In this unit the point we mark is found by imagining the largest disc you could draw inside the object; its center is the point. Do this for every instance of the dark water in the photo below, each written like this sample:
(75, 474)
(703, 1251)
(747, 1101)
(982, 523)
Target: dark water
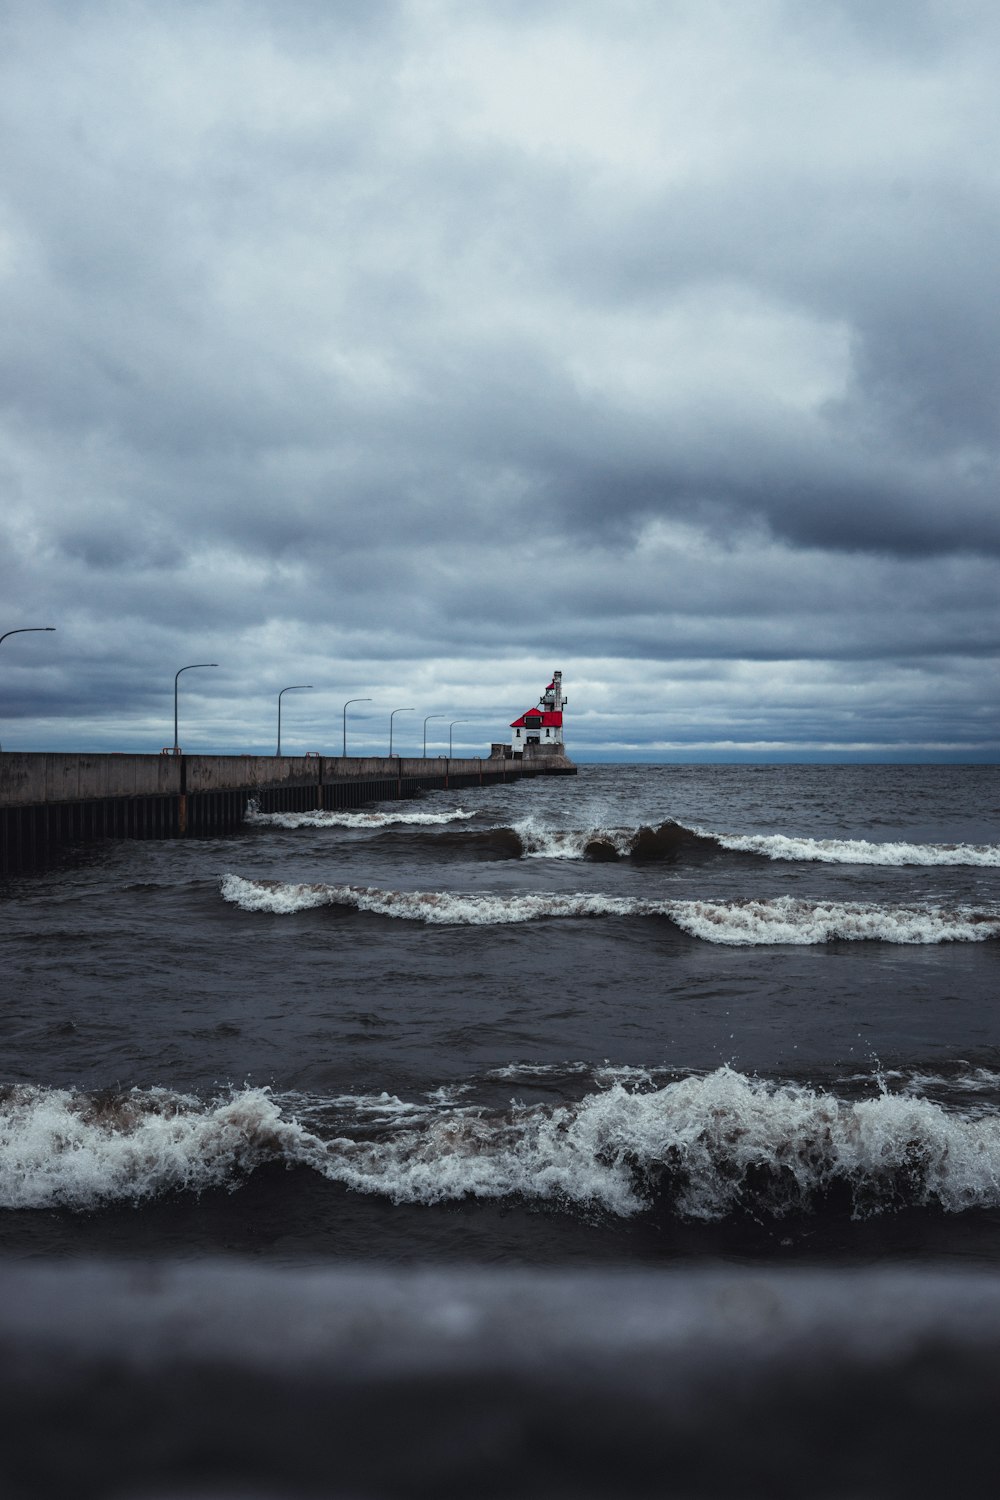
(636, 1134)
(647, 1014)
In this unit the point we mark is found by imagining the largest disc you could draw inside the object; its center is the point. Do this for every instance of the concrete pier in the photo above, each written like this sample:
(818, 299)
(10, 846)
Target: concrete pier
(49, 799)
(226, 1379)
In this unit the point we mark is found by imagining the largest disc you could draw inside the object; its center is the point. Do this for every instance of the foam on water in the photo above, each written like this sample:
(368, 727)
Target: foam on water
(602, 1074)
(455, 908)
(60, 1148)
(363, 821)
(974, 1081)
(702, 1147)
(671, 841)
(534, 838)
(779, 920)
(857, 851)
(540, 840)
(708, 1146)
(788, 919)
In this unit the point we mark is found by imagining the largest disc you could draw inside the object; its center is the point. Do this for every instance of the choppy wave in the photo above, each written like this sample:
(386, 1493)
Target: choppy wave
(671, 842)
(667, 842)
(782, 919)
(365, 821)
(60, 1148)
(858, 851)
(702, 1148)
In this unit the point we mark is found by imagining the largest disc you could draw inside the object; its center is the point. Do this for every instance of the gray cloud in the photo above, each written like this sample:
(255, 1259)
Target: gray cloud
(416, 346)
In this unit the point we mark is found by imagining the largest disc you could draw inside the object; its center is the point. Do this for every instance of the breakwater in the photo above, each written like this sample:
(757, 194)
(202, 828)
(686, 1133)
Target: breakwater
(51, 799)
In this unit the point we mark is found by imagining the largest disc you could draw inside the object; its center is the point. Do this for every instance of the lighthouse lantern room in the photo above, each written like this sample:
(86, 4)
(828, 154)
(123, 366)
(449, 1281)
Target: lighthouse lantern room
(541, 728)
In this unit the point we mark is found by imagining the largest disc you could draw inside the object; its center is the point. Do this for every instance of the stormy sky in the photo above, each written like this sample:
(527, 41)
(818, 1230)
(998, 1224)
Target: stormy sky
(415, 348)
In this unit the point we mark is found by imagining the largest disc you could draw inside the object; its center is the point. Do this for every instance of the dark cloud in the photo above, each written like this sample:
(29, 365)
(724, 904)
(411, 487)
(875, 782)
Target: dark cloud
(412, 347)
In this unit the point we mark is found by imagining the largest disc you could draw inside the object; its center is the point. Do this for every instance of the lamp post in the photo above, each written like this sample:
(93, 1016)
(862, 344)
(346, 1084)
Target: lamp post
(450, 728)
(351, 700)
(429, 716)
(25, 630)
(392, 716)
(191, 668)
(296, 687)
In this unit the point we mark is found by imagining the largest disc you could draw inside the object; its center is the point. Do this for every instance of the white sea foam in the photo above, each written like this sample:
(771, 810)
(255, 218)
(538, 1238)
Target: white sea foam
(454, 908)
(602, 1074)
(789, 919)
(275, 896)
(528, 1072)
(710, 1145)
(541, 841)
(363, 821)
(779, 920)
(448, 1094)
(59, 1148)
(382, 1106)
(975, 1081)
(703, 1147)
(855, 851)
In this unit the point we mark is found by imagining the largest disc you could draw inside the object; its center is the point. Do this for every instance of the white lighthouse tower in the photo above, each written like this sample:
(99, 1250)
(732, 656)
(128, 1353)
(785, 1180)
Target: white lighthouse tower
(540, 729)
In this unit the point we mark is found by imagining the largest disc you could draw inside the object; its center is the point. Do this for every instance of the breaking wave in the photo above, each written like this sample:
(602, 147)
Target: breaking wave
(62, 1149)
(782, 919)
(860, 851)
(669, 842)
(672, 842)
(702, 1148)
(365, 821)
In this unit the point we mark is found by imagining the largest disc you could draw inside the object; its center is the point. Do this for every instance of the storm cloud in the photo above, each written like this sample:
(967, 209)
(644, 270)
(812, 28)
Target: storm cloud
(416, 349)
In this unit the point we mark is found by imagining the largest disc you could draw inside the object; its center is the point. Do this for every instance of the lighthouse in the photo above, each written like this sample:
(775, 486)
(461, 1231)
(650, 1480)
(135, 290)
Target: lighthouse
(541, 728)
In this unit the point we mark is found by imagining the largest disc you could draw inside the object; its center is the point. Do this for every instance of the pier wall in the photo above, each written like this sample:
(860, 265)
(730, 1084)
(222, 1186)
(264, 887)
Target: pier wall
(48, 799)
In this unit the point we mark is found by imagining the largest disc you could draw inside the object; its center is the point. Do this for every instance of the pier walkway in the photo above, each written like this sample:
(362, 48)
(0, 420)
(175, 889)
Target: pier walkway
(49, 799)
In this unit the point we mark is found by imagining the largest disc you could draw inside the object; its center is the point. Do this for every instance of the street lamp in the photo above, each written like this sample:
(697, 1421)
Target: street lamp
(351, 700)
(25, 630)
(450, 728)
(392, 716)
(296, 687)
(429, 716)
(194, 664)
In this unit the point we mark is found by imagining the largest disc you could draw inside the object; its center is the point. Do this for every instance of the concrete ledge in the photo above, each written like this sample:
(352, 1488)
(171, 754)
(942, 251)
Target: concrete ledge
(34, 779)
(29, 778)
(225, 1380)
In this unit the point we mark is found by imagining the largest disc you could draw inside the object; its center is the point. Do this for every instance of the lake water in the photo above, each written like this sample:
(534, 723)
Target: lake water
(641, 1012)
(652, 1018)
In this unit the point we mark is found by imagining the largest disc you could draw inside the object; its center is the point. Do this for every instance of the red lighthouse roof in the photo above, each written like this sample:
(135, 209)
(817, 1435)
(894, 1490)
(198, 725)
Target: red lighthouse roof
(546, 719)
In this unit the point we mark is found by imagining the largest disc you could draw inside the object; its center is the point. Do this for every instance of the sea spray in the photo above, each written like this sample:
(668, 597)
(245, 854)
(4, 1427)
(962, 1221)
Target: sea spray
(703, 1147)
(61, 1148)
